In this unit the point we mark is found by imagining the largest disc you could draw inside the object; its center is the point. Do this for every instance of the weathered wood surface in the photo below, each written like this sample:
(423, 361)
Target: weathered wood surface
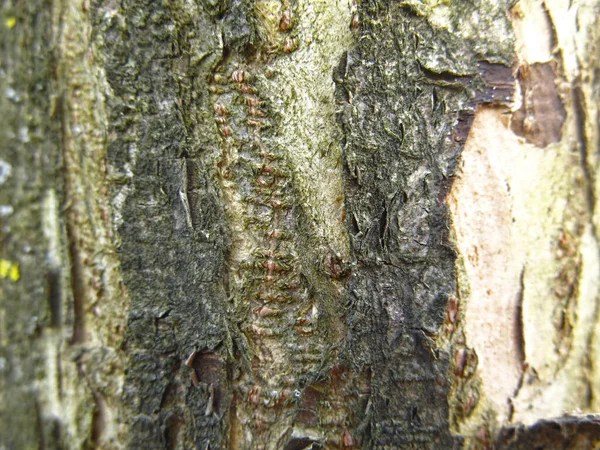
(231, 226)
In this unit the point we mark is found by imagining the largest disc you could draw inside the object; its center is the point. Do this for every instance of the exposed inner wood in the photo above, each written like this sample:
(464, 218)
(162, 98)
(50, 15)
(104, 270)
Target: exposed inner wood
(523, 222)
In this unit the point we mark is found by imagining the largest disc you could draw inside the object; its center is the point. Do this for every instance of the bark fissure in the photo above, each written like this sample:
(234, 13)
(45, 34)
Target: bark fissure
(582, 122)
(581, 119)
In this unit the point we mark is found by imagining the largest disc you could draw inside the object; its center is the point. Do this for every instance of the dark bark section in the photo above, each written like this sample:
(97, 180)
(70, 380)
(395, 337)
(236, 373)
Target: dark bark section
(494, 86)
(399, 116)
(564, 433)
(157, 57)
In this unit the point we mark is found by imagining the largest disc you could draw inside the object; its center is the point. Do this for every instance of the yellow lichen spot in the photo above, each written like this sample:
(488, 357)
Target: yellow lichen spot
(14, 274)
(10, 22)
(9, 270)
(4, 268)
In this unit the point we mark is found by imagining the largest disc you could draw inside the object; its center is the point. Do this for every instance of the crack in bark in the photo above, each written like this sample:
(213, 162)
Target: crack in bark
(579, 111)
(582, 138)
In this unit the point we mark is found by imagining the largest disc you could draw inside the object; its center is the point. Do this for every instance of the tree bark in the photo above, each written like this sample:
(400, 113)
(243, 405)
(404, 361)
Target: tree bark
(294, 224)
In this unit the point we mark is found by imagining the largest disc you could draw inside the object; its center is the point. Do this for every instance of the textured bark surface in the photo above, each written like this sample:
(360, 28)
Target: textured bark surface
(284, 224)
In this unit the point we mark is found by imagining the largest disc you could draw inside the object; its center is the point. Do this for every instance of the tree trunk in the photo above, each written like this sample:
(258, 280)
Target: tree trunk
(299, 224)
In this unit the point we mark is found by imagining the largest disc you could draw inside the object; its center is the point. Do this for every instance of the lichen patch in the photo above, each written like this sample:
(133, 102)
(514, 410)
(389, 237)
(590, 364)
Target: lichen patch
(303, 94)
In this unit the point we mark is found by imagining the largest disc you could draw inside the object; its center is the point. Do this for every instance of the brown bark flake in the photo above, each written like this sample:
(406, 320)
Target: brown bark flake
(542, 114)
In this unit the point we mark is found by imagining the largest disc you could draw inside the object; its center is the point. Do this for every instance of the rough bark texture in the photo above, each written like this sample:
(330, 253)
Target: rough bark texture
(290, 224)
